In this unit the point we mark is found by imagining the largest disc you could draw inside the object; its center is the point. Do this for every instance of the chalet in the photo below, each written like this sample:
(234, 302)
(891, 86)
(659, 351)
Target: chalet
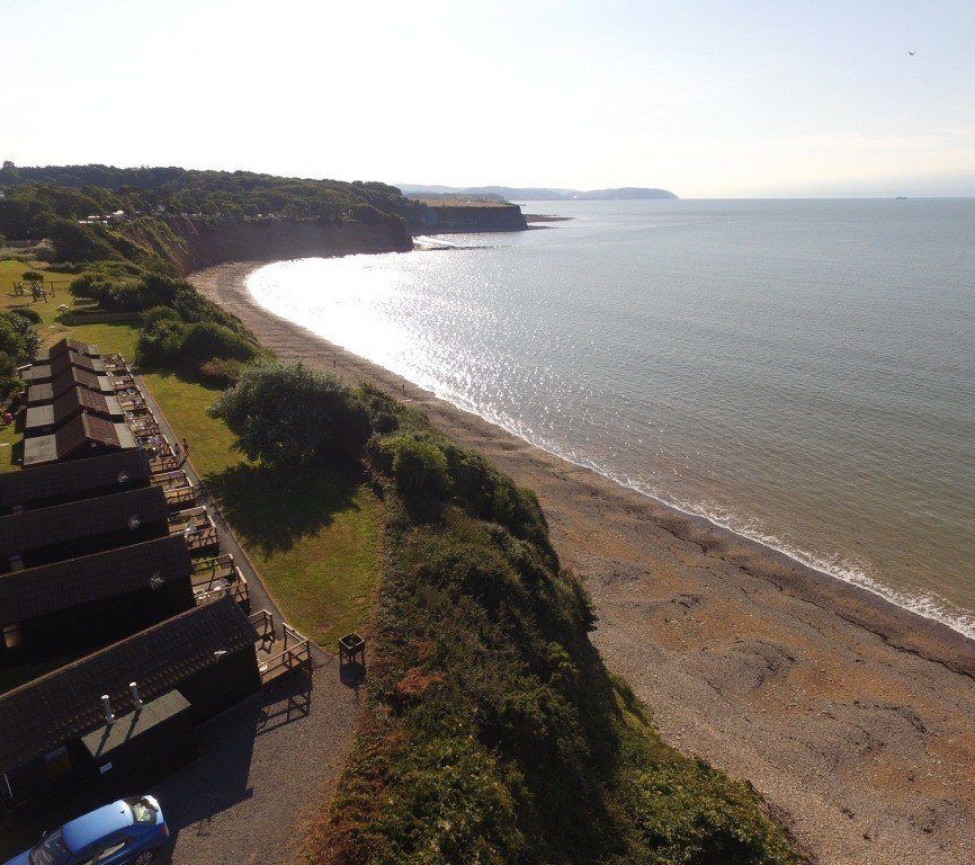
(44, 373)
(65, 345)
(57, 734)
(39, 537)
(42, 394)
(45, 419)
(84, 436)
(48, 611)
(59, 483)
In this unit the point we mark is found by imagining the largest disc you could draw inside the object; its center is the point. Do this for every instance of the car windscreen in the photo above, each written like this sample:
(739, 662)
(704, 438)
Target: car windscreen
(51, 851)
(142, 811)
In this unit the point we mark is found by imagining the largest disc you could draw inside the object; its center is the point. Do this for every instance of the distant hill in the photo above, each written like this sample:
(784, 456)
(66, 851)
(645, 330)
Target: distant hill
(528, 193)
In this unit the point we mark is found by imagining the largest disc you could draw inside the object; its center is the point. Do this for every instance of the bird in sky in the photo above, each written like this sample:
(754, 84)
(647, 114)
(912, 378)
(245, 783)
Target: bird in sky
(912, 53)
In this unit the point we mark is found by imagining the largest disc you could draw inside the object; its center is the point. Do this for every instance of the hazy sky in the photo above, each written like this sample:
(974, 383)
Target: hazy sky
(708, 99)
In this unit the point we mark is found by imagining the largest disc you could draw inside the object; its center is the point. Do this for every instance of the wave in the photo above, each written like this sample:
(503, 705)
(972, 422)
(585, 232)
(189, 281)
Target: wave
(928, 606)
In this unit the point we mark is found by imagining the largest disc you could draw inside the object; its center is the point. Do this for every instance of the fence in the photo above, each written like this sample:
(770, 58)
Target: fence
(279, 656)
(73, 318)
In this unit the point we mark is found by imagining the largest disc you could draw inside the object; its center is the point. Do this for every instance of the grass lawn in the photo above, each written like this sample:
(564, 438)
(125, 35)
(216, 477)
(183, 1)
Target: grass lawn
(315, 537)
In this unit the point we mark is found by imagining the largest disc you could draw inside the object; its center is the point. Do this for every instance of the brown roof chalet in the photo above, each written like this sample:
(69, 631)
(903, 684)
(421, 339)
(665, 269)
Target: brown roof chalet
(78, 437)
(41, 394)
(64, 345)
(46, 527)
(40, 716)
(75, 479)
(44, 418)
(63, 585)
(42, 373)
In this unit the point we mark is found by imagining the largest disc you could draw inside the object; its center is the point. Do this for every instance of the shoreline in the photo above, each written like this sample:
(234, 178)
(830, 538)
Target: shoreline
(736, 646)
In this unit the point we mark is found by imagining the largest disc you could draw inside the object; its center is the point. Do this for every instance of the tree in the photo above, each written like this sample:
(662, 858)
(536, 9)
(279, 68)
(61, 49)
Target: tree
(289, 413)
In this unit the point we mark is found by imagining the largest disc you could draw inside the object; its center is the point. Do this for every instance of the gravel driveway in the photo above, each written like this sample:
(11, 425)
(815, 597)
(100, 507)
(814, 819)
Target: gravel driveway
(264, 770)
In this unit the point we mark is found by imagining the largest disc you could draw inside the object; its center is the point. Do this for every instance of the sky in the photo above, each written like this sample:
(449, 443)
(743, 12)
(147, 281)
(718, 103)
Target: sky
(707, 99)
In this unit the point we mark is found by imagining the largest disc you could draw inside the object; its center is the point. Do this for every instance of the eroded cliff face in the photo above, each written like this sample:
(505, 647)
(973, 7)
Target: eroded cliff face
(195, 244)
(452, 218)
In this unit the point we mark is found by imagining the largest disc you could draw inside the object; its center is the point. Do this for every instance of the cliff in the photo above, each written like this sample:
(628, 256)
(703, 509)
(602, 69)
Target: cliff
(453, 218)
(192, 244)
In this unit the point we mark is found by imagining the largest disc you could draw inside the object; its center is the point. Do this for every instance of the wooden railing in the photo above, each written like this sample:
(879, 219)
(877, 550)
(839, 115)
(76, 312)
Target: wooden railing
(295, 654)
(218, 576)
(291, 652)
(196, 527)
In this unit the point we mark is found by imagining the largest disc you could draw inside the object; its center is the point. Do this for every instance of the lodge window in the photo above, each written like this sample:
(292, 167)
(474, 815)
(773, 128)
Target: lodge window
(12, 637)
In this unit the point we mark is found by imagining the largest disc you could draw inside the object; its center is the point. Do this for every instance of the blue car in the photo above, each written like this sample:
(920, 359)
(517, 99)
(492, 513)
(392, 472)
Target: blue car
(127, 831)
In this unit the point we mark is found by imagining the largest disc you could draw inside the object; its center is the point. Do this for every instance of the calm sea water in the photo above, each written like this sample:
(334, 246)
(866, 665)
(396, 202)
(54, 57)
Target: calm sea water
(802, 372)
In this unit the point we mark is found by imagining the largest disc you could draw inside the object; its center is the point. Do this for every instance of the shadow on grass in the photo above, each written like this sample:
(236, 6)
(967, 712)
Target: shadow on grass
(272, 508)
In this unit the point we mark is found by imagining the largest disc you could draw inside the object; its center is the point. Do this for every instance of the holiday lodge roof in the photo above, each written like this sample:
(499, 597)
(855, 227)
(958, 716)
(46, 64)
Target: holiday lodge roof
(84, 433)
(73, 402)
(40, 716)
(74, 479)
(46, 527)
(38, 591)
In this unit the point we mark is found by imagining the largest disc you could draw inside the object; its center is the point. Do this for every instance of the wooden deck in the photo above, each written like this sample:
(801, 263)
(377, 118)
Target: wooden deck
(197, 528)
(177, 486)
(214, 577)
(278, 654)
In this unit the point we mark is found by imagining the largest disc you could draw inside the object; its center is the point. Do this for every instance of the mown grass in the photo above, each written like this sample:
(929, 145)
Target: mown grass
(315, 539)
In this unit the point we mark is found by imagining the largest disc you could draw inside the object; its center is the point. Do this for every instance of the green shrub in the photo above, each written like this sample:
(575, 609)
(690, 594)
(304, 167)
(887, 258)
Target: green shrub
(32, 315)
(32, 276)
(161, 343)
(419, 466)
(222, 373)
(18, 337)
(157, 314)
(283, 413)
(206, 339)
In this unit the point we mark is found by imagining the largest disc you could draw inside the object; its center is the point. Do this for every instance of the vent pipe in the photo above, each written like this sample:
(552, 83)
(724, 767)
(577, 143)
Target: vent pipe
(136, 699)
(107, 706)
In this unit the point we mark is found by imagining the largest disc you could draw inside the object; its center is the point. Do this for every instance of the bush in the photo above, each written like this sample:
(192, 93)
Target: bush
(18, 338)
(419, 466)
(10, 381)
(222, 373)
(31, 315)
(157, 314)
(206, 339)
(293, 414)
(162, 343)
(32, 276)
(75, 242)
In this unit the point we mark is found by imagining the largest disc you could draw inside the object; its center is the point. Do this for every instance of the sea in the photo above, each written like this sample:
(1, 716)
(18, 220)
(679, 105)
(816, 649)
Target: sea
(801, 372)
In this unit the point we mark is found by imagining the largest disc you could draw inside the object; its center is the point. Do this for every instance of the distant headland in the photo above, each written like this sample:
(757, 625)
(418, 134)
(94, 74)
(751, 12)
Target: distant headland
(529, 193)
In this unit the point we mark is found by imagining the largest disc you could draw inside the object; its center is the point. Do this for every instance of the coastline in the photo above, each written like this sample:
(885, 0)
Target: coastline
(853, 716)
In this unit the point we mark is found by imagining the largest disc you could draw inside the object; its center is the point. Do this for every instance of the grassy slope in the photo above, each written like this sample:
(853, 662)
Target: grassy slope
(317, 546)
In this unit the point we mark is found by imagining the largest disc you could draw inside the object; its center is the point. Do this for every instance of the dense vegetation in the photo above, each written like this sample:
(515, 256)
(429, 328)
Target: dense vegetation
(19, 343)
(180, 328)
(493, 733)
(39, 200)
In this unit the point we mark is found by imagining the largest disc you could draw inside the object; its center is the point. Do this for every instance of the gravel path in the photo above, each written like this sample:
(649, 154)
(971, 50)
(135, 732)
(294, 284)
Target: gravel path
(264, 770)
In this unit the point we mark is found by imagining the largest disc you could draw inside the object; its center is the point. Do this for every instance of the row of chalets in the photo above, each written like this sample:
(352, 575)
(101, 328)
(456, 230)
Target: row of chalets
(110, 565)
